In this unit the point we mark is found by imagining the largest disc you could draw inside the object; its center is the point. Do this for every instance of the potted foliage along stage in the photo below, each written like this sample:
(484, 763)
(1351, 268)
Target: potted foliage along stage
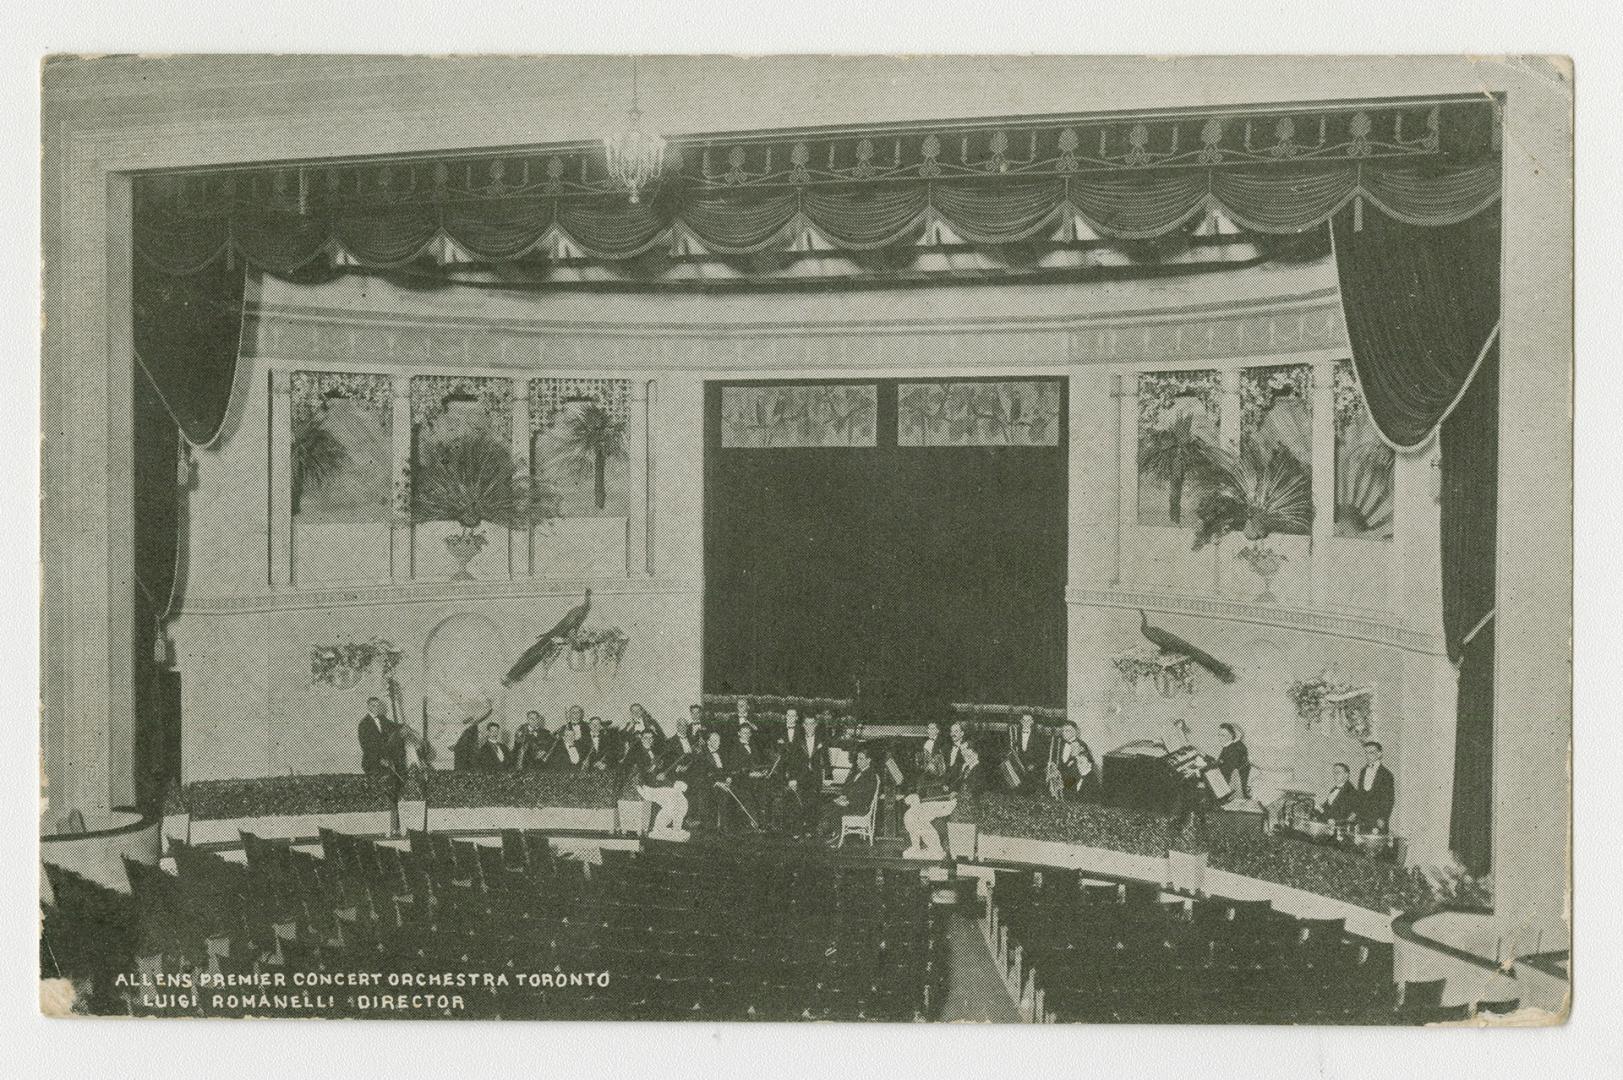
(1257, 492)
(471, 480)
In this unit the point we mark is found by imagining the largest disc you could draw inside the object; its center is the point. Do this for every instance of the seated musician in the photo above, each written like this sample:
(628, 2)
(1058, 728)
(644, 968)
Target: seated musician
(932, 743)
(531, 742)
(637, 719)
(1340, 803)
(1079, 774)
(567, 755)
(650, 775)
(1234, 760)
(855, 796)
(927, 801)
(971, 780)
(492, 755)
(1026, 763)
(641, 757)
(805, 766)
(752, 760)
(599, 745)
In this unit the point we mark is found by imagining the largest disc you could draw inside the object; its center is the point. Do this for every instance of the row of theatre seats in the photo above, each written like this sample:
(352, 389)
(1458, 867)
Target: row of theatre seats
(1101, 952)
(681, 933)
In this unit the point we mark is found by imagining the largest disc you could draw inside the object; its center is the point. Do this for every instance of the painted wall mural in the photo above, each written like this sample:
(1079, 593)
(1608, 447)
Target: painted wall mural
(1023, 413)
(805, 415)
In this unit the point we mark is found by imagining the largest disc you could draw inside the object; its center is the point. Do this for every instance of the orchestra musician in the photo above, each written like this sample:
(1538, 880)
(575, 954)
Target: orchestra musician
(1376, 791)
(958, 742)
(382, 750)
(566, 754)
(531, 742)
(1234, 760)
(708, 787)
(1340, 803)
(1079, 773)
(492, 755)
(641, 759)
(805, 766)
(637, 721)
(1027, 760)
(656, 784)
(933, 800)
(599, 745)
(855, 796)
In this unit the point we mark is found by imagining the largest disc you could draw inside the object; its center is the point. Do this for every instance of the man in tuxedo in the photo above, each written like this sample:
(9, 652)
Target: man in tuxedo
(1028, 756)
(599, 746)
(383, 752)
(1234, 760)
(855, 796)
(805, 764)
(1077, 770)
(1377, 791)
(1340, 803)
(711, 772)
(958, 742)
(971, 780)
(492, 755)
(531, 742)
(641, 758)
(568, 756)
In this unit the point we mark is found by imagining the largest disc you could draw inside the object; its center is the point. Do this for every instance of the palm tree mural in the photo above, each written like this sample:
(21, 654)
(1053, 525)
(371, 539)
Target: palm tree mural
(1176, 455)
(318, 455)
(588, 439)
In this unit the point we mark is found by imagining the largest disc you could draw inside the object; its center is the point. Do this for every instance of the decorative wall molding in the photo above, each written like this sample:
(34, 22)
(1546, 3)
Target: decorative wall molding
(1360, 627)
(1282, 327)
(426, 592)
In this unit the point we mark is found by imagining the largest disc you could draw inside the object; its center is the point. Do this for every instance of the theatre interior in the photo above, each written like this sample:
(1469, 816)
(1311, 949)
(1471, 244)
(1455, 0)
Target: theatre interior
(1011, 562)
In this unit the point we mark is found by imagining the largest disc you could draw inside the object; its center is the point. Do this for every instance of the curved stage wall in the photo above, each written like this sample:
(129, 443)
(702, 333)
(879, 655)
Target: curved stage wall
(1360, 612)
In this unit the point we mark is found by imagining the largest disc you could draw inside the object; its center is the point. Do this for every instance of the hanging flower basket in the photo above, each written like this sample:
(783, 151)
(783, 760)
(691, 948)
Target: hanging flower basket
(1350, 706)
(342, 665)
(597, 649)
(1145, 667)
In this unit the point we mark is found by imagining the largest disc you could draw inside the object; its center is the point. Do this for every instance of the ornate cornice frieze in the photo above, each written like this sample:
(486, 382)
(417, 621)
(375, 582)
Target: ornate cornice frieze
(427, 592)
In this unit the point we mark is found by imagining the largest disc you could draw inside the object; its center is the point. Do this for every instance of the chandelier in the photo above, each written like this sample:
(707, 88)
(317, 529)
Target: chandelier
(634, 156)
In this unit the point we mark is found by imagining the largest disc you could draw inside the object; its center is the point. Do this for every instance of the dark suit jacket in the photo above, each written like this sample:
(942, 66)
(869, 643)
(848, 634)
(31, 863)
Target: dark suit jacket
(1234, 758)
(955, 768)
(859, 789)
(487, 760)
(1375, 805)
(806, 768)
(1032, 759)
(1342, 804)
(971, 782)
(559, 761)
(605, 750)
(379, 747)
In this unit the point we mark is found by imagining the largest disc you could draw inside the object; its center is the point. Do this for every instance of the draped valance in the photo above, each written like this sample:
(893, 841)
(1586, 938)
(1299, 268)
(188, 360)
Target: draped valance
(1279, 171)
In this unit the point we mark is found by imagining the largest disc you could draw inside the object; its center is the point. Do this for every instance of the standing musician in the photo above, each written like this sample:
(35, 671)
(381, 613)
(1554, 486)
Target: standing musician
(708, 789)
(531, 742)
(1079, 773)
(1026, 762)
(805, 766)
(599, 745)
(566, 754)
(957, 744)
(492, 755)
(381, 751)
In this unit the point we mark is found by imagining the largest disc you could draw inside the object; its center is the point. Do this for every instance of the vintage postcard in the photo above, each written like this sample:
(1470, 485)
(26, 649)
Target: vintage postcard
(999, 539)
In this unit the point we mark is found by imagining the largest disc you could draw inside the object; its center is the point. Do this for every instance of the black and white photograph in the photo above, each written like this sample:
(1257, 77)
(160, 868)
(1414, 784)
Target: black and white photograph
(1019, 540)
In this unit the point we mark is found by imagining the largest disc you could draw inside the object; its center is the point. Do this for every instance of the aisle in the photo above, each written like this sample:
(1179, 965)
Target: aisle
(975, 992)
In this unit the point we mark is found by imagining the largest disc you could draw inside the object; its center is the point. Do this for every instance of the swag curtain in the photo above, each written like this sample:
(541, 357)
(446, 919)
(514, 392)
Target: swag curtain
(383, 233)
(1422, 307)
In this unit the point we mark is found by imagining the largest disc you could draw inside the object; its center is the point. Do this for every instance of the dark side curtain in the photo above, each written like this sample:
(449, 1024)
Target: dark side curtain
(1470, 463)
(1422, 308)
(187, 332)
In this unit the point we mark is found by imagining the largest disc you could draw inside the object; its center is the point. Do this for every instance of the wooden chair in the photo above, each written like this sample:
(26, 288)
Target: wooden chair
(860, 824)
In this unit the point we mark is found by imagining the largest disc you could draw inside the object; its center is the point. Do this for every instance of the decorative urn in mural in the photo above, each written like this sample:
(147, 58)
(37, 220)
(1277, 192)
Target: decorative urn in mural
(464, 547)
(1265, 563)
